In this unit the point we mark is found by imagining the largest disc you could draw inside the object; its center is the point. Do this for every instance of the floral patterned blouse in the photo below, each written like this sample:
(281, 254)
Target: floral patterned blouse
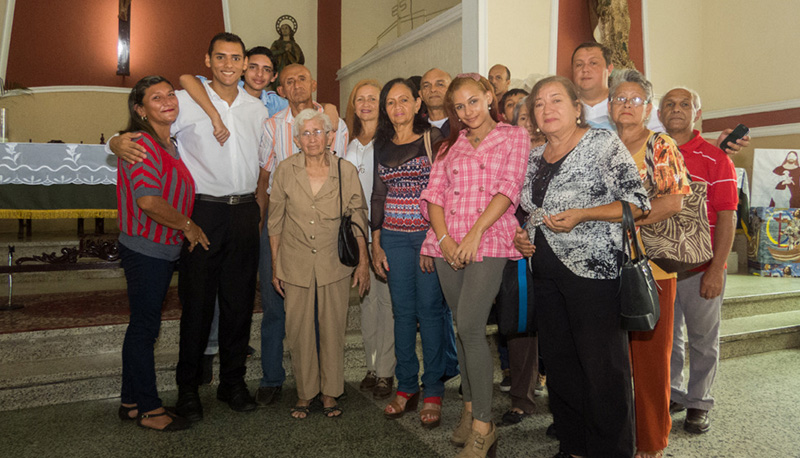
(598, 171)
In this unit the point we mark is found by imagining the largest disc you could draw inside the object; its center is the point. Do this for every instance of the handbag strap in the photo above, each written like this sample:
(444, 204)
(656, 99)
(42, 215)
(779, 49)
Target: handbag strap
(629, 237)
(426, 138)
(339, 167)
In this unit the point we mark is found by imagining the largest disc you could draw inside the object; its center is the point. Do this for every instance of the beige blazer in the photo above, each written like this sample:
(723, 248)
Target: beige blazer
(309, 224)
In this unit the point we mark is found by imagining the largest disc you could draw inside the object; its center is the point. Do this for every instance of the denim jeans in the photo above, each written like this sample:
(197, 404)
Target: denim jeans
(273, 320)
(148, 280)
(416, 299)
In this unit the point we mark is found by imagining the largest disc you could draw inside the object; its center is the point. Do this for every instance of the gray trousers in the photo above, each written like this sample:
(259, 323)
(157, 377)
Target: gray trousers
(470, 293)
(702, 319)
(377, 327)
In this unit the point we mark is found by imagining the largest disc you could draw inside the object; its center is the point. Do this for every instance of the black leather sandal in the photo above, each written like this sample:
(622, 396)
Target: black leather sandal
(178, 423)
(125, 413)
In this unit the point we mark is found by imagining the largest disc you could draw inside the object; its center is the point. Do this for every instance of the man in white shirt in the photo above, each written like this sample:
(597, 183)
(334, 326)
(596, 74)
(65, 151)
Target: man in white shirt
(226, 178)
(298, 87)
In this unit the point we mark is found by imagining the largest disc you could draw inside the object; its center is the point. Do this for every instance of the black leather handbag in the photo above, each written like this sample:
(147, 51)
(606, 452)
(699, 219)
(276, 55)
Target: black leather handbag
(348, 245)
(639, 308)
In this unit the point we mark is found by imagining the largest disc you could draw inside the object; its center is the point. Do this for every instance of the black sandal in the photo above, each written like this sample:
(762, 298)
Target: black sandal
(299, 409)
(512, 417)
(333, 411)
(178, 423)
(125, 413)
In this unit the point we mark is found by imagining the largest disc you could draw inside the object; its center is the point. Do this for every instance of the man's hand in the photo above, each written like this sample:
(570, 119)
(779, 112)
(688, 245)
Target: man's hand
(712, 282)
(733, 148)
(124, 147)
(332, 113)
(221, 132)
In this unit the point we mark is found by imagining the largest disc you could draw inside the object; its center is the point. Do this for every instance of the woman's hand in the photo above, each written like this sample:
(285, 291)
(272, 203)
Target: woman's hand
(564, 221)
(468, 248)
(522, 242)
(277, 283)
(379, 262)
(449, 247)
(194, 234)
(361, 278)
(426, 264)
(221, 133)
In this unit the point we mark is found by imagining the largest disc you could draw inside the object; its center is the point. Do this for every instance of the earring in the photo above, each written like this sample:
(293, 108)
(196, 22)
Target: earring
(538, 131)
(490, 108)
(578, 120)
(144, 118)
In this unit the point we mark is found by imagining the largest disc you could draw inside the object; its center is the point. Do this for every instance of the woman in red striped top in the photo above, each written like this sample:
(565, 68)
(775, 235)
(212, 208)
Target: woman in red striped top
(154, 201)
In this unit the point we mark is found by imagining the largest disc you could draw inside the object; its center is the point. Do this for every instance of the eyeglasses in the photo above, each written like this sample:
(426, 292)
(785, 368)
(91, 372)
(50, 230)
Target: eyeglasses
(634, 101)
(316, 133)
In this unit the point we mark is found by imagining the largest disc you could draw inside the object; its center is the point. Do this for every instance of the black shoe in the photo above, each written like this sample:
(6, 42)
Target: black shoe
(237, 397)
(178, 423)
(266, 395)
(697, 421)
(675, 407)
(188, 405)
(551, 431)
(512, 417)
(208, 369)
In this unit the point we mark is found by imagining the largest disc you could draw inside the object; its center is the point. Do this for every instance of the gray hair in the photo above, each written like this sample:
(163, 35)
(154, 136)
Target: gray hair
(629, 75)
(692, 92)
(307, 115)
(517, 109)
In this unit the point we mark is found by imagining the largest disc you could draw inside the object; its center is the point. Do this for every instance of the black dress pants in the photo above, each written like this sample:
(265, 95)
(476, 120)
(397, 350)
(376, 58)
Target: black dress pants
(228, 270)
(586, 354)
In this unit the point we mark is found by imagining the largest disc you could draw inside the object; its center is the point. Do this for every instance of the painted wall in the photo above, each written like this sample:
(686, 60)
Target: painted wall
(363, 21)
(676, 55)
(519, 36)
(75, 43)
(71, 117)
(750, 53)
(254, 21)
(442, 49)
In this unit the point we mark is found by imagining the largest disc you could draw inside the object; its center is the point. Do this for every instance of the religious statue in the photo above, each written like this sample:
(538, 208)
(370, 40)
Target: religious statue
(285, 50)
(611, 25)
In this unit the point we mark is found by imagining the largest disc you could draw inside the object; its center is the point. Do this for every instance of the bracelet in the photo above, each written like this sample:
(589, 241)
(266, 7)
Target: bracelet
(188, 223)
(440, 240)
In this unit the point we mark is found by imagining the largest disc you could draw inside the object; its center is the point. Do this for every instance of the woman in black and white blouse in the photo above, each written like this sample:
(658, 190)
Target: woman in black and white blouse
(573, 190)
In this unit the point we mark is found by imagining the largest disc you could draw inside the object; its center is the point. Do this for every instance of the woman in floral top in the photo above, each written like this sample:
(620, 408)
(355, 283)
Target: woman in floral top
(573, 189)
(666, 180)
(470, 201)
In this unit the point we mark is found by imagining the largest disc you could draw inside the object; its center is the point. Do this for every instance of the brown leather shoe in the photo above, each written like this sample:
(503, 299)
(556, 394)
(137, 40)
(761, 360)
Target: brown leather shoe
(369, 381)
(697, 421)
(383, 387)
(675, 407)
(463, 430)
(480, 446)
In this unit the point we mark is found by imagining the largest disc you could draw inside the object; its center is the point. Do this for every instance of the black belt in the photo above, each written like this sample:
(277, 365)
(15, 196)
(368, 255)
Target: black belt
(230, 200)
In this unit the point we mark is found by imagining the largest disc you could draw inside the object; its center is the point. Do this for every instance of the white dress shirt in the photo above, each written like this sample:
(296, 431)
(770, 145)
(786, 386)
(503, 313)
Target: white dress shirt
(221, 170)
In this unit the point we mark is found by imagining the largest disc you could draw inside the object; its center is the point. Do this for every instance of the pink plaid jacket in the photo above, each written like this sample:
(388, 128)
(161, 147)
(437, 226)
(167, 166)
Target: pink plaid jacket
(465, 181)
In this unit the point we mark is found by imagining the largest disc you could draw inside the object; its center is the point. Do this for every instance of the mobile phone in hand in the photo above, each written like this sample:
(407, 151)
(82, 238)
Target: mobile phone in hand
(739, 132)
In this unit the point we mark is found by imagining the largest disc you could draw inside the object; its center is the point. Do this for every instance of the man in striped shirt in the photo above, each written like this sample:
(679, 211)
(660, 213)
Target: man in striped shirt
(699, 295)
(298, 87)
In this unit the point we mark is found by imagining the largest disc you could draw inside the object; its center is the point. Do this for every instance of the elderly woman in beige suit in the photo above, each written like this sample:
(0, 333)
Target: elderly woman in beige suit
(303, 229)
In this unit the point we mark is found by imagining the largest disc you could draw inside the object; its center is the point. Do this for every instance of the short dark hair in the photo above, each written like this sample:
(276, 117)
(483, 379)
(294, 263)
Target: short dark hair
(262, 51)
(593, 44)
(227, 37)
(136, 97)
(510, 93)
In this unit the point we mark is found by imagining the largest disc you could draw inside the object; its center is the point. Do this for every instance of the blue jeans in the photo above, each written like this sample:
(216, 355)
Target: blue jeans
(450, 354)
(416, 299)
(273, 320)
(148, 280)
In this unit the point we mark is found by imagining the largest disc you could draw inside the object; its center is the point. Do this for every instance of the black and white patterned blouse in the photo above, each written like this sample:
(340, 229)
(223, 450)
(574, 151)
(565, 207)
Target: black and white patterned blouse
(600, 170)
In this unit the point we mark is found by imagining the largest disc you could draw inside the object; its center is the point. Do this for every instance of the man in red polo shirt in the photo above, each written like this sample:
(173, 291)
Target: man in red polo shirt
(699, 296)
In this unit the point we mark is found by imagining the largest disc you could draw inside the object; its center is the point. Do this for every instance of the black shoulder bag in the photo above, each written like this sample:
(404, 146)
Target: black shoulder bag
(348, 245)
(639, 309)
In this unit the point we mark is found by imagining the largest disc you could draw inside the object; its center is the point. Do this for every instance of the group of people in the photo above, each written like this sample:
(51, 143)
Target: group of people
(445, 181)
